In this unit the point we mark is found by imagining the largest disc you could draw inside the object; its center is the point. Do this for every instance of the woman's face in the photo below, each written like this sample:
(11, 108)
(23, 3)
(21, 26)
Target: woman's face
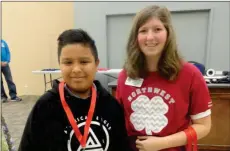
(152, 36)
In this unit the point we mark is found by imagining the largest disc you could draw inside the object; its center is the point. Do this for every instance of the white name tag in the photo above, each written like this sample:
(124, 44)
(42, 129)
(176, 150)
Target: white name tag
(3, 45)
(132, 82)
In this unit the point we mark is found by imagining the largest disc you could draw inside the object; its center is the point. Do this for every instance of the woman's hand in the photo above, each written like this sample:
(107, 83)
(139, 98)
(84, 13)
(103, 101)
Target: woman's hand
(149, 143)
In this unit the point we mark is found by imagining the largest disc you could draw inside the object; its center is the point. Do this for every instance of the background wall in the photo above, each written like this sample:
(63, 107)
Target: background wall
(202, 30)
(31, 30)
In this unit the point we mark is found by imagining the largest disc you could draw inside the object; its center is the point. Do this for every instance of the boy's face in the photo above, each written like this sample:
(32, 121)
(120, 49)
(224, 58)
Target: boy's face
(78, 67)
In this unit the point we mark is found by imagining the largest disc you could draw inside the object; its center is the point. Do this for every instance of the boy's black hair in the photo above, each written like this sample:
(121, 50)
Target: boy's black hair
(76, 36)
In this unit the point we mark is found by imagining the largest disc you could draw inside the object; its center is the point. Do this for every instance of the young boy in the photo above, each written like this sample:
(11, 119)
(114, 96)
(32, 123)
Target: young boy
(78, 113)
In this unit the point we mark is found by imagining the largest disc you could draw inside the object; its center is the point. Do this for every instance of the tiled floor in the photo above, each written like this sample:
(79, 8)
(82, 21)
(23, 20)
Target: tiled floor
(15, 114)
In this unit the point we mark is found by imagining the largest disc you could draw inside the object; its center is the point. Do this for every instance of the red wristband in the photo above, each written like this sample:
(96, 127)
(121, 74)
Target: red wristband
(189, 140)
(194, 138)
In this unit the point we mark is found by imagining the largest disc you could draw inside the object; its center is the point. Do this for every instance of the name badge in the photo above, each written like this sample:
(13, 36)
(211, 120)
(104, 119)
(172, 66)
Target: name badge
(132, 82)
(3, 45)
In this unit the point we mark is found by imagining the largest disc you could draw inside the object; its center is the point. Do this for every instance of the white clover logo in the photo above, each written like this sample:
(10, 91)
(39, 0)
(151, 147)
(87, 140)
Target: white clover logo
(149, 114)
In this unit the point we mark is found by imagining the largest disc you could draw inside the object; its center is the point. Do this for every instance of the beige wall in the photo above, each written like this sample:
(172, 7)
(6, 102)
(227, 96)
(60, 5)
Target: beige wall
(31, 30)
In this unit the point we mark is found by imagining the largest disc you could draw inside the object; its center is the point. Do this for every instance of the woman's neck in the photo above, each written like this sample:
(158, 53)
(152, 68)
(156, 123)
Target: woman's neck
(152, 63)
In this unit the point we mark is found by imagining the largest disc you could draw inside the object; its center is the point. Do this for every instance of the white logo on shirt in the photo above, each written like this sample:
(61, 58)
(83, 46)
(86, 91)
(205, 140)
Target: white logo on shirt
(149, 114)
(95, 142)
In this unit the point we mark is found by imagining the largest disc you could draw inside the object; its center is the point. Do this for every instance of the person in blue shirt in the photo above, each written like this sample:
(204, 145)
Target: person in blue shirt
(5, 69)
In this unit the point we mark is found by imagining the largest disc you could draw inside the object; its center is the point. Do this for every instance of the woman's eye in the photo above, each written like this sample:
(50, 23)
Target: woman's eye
(142, 31)
(158, 29)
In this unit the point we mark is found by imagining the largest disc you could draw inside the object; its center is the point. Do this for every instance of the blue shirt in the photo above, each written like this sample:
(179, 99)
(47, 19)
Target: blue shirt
(5, 52)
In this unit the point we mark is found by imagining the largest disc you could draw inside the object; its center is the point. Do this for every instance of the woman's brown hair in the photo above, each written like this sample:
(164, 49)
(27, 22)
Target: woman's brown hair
(170, 62)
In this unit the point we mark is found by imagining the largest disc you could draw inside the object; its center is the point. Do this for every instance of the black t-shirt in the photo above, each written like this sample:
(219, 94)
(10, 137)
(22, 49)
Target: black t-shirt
(48, 128)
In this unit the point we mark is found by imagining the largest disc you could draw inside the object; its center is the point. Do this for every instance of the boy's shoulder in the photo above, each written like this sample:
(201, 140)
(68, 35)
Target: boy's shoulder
(47, 102)
(106, 98)
(103, 93)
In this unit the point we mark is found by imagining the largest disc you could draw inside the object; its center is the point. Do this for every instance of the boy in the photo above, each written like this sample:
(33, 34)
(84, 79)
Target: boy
(78, 113)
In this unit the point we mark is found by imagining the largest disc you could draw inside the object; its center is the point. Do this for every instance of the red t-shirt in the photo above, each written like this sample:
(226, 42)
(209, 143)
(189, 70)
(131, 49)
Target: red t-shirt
(159, 107)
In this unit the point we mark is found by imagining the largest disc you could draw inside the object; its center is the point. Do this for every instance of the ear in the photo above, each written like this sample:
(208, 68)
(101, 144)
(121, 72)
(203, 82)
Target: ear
(97, 62)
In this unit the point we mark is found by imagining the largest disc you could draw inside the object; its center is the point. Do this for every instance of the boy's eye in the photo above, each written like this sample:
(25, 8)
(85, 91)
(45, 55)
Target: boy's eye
(84, 62)
(67, 62)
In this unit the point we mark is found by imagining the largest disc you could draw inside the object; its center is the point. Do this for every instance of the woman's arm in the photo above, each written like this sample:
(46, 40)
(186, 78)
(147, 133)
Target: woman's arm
(199, 111)
(151, 143)
(201, 126)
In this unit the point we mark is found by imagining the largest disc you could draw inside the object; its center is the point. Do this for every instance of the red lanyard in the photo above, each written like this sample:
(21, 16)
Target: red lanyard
(81, 139)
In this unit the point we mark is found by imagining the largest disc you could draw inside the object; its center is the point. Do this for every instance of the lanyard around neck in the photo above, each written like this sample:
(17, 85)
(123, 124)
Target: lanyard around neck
(81, 138)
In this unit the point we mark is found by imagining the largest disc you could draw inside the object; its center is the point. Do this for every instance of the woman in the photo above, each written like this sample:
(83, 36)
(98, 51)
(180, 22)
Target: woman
(165, 98)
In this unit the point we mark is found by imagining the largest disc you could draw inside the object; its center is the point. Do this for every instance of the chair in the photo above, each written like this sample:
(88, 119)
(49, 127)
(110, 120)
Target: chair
(200, 66)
